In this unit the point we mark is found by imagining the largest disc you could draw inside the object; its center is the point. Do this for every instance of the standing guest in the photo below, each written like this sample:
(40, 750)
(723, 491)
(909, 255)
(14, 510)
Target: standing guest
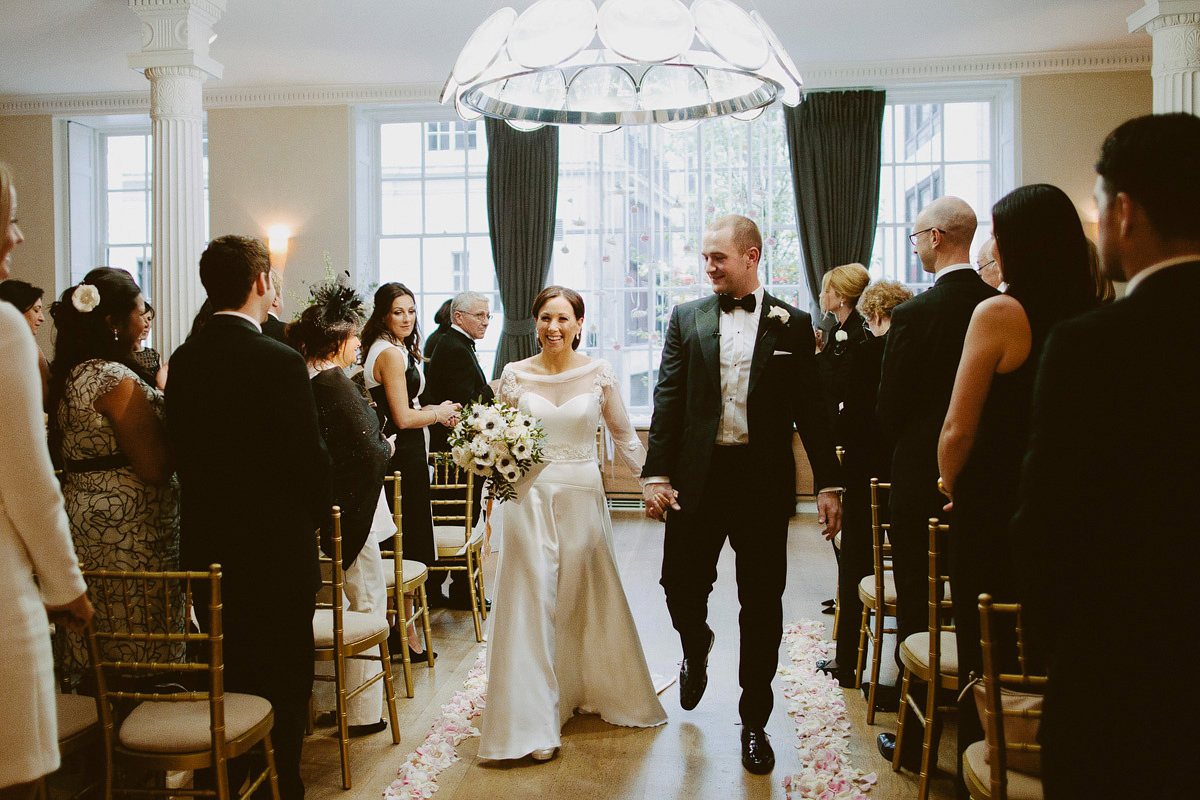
(1043, 253)
(38, 571)
(234, 396)
(840, 290)
(453, 374)
(149, 363)
(738, 376)
(392, 342)
(988, 266)
(441, 318)
(1105, 528)
(273, 326)
(326, 334)
(866, 457)
(563, 639)
(28, 300)
(107, 424)
(920, 360)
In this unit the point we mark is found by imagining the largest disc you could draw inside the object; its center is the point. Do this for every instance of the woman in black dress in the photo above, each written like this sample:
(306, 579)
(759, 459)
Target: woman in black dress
(326, 334)
(840, 289)
(391, 373)
(1043, 257)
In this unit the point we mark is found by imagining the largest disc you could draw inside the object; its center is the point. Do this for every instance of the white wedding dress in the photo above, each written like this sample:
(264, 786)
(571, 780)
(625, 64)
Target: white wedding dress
(562, 637)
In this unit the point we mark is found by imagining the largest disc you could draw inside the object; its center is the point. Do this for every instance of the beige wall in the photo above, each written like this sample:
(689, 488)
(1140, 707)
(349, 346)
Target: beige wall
(290, 166)
(1064, 119)
(27, 144)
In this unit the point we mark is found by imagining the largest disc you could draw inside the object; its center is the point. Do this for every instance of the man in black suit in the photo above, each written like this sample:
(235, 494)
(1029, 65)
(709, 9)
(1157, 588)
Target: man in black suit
(273, 326)
(453, 373)
(920, 361)
(738, 376)
(233, 396)
(1106, 527)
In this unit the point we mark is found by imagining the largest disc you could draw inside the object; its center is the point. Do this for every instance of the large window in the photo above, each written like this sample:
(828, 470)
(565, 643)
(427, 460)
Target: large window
(632, 207)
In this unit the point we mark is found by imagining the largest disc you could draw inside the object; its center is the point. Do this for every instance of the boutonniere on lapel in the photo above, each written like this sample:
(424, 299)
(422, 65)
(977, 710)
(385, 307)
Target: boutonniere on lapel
(841, 336)
(777, 315)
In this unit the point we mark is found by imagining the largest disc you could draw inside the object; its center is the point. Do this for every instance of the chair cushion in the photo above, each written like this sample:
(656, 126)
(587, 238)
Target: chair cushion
(159, 726)
(357, 626)
(413, 570)
(75, 714)
(1017, 728)
(450, 542)
(1020, 785)
(915, 652)
(866, 588)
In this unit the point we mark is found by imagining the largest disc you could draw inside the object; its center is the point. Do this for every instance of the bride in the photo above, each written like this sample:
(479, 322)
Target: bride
(563, 638)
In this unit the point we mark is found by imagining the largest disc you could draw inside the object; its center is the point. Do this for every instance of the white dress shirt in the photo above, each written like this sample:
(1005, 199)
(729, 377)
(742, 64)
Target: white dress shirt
(738, 331)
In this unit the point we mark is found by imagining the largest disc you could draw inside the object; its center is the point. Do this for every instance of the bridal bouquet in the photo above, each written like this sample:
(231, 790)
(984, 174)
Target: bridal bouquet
(499, 443)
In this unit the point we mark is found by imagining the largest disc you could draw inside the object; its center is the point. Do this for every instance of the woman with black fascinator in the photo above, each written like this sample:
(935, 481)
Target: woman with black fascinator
(326, 334)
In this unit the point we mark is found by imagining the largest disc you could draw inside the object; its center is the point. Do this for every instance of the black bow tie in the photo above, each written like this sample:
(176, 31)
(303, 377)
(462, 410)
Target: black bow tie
(727, 303)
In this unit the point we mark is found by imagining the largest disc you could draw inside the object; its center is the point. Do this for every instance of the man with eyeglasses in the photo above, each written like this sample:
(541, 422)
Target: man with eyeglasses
(453, 373)
(920, 361)
(988, 267)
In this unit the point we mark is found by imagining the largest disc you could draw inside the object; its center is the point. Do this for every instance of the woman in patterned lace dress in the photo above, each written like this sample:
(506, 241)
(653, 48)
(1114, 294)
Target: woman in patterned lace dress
(107, 423)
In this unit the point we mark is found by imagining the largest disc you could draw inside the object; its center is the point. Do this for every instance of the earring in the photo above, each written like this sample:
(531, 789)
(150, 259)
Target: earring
(115, 337)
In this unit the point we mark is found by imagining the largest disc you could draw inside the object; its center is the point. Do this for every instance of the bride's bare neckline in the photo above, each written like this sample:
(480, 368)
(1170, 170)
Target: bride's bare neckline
(534, 367)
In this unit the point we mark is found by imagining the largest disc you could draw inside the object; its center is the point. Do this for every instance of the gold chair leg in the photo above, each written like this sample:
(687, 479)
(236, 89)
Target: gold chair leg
(475, 601)
(272, 775)
(933, 720)
(389, 687)
(876, 661)
(860, 662)
(402, 626)
(339, 666)
(903, 713)
(423, 598)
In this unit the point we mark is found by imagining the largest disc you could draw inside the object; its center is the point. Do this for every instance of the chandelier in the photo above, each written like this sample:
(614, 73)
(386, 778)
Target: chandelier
(628, 62)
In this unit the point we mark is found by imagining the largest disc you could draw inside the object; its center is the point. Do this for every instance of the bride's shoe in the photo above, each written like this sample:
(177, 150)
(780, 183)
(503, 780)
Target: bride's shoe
(543, 755)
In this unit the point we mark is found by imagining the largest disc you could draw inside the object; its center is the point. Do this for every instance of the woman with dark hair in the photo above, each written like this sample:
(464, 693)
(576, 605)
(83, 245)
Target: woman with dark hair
(391, 340)
(443, 318)
(562, 637)
(150, 365)
(107, 423)
(326, 334)
(28, 300)
(1043, 257)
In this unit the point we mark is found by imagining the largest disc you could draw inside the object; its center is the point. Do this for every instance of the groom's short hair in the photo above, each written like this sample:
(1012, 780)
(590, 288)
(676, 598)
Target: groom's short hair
(745, 232)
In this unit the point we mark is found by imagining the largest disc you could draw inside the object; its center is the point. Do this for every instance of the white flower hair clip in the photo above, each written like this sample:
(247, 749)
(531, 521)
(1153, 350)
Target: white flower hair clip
(841, 336)
(85, 298)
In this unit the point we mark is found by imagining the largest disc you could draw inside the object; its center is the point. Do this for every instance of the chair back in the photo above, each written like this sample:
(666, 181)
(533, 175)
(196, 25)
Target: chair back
(941, 618)
(881, 548)
(333, 576)
(451, 489)
(398, 518)
(1011, 709)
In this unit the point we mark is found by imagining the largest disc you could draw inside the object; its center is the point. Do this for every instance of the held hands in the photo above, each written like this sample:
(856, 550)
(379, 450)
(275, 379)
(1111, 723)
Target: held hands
(660, 498)
(75, 615)
(446, 413)
(829, 513)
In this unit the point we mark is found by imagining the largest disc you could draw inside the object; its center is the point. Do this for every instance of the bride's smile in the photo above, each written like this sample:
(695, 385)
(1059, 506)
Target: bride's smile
(557, 326)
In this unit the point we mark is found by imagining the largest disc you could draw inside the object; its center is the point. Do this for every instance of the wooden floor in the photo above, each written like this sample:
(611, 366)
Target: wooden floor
(695, 755)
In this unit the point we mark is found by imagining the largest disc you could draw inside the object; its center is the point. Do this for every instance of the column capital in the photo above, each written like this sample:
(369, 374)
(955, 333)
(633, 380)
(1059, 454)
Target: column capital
(176, 33)
(1159, 14)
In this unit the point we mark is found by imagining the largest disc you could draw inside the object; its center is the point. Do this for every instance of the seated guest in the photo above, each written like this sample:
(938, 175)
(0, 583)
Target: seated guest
(326, 334)
(1043, 256)
(149, 362)
(28, 300)
(107, 423)
(866, 457)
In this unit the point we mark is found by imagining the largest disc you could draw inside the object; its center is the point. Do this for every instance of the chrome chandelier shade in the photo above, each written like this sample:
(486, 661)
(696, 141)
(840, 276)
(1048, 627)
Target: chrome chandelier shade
(629, 62)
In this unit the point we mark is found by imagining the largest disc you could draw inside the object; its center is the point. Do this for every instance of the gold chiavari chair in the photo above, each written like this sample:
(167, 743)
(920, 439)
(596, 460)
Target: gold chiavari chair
(878, 595)
(341, 634)
(79, 735)
(156, 724)
(840, 452)
(459, 544)
(930, 657)
(1001, 767)
(410, 577)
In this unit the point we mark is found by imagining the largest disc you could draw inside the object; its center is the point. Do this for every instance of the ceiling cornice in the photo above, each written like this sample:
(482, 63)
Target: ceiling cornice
(816, 76)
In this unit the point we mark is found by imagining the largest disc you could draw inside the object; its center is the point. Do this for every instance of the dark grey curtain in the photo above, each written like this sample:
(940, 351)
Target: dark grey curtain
(834, 140)
(522, 196)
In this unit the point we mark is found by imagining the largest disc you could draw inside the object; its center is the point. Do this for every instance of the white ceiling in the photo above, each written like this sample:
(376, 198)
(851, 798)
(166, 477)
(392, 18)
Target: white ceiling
(80, 46)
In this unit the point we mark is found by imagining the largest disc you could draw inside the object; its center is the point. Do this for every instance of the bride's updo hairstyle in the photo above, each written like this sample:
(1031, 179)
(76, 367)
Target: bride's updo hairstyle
(333, 316)
(572, 297)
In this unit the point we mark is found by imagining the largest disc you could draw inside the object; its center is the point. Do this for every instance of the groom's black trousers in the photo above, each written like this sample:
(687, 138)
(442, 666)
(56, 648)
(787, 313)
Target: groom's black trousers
(757, 531)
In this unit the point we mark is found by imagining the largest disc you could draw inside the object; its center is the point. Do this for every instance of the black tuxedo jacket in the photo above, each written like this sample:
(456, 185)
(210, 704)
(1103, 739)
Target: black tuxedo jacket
(835, 361)
(784, 395)
(920, 360)
(253, 470)
(274, 327)
(453, 373)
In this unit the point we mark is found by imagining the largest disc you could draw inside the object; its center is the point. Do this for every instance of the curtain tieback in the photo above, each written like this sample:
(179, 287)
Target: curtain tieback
(519, 327)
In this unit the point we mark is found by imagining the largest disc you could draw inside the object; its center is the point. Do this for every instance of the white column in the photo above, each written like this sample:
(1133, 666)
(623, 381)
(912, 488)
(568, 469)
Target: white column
(174, 57)
(1174, 26)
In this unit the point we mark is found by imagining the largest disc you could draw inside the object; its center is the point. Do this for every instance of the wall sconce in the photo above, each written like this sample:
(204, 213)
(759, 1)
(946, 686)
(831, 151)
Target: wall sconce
(277, 243)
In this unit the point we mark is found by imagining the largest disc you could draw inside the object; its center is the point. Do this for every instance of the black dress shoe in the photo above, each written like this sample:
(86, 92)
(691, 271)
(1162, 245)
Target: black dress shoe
(693, 676)
(419, 658)
(828, 603)
(366, 730)
(829, 610)
(437, 600)
(845, 675)
(887, 698)
(911, 760)
(757, 755)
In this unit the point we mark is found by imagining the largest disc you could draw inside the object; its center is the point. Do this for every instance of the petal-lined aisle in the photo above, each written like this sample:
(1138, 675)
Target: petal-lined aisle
(818, 711)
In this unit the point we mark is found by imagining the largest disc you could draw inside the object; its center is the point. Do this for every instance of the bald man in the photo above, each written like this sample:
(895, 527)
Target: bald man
(920, 360)
(988, 267)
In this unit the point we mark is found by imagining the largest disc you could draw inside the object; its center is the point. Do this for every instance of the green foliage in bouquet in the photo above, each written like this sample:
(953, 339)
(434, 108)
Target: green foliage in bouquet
(499, 443)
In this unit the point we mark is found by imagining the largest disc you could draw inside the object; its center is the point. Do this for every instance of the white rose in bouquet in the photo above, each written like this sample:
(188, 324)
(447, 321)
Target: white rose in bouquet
(500, 443)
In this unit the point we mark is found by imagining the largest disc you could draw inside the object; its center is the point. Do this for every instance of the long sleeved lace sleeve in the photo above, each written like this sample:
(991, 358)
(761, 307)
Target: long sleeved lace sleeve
(625, 439)
(508, 391)
(29, 494)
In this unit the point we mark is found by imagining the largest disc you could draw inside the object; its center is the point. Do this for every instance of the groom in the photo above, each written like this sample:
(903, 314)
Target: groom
(738, 375)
